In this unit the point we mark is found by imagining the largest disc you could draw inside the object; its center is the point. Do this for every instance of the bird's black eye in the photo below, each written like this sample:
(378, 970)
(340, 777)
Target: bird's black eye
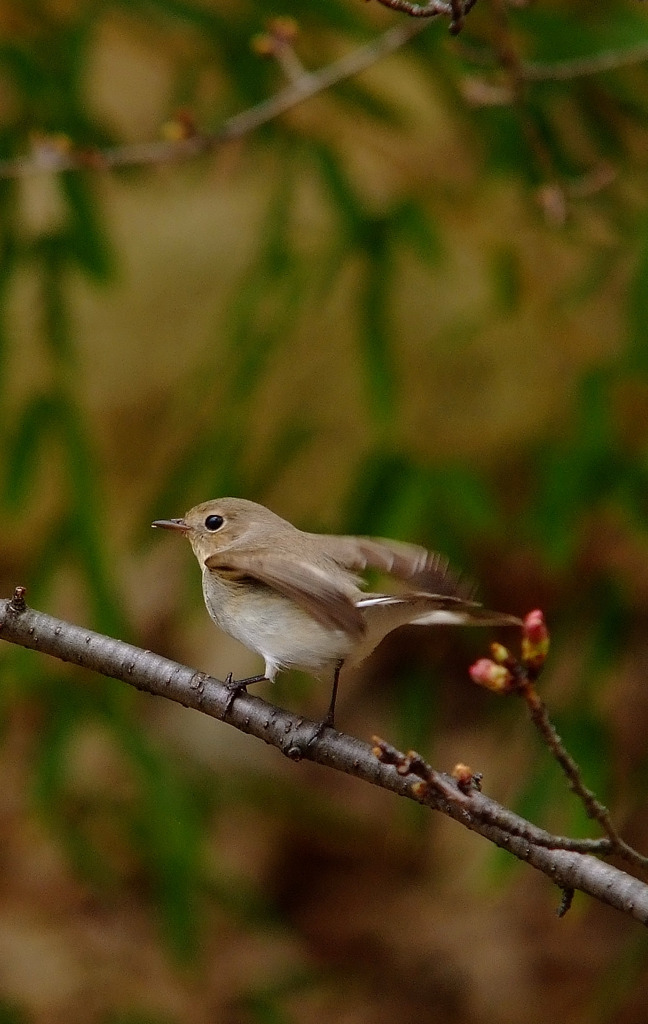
(214, 523)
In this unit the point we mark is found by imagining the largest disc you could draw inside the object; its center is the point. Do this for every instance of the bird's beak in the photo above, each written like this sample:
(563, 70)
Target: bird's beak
(171, 524)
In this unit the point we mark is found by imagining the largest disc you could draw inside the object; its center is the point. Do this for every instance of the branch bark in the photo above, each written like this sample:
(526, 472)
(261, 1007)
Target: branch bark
(564, 861)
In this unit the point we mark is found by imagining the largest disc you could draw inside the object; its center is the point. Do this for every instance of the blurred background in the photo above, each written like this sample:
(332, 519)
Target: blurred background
(414, 306)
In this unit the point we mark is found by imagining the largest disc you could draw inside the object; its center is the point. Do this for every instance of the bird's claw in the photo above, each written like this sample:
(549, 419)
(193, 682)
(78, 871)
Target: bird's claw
(236, 687)
(316, 734)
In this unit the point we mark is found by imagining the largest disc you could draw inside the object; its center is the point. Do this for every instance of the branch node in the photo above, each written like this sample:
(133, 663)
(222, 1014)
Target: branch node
(466, 778)
(457, 22)
(18, 605)
(566, 901)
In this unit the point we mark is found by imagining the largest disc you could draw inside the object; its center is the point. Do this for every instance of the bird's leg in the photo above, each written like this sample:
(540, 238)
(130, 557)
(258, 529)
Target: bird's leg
(236, 686)
(329, 720)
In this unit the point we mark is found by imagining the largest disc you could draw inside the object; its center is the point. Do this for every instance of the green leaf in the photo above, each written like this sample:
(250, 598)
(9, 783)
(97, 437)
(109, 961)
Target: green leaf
(52, 251)
(506, 143)
(587, 740)
(636, 357)
(140, 1017)
(598, 119)
(355, 95)
(291, 440)
(23, 69)
(26, 449)
(264, 312)
(168, 831)
(546, 798)
(86, 237)
(416, 704)
(66, 712)
(88, 538)
(558, 33)
(619, 982)
(263, 1004)
(577, 472)
(12, 1013)
(612, 622)
(344, 201)
(9, 247)
(414, 226)
(463, 500)
(194, 15)
(60, 725)
(506, 278)
(386, 490)
(379, 363)
(539, 126)
(265, 1009)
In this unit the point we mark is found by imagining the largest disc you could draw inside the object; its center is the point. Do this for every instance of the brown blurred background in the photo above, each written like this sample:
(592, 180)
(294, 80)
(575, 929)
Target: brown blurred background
(414, 306)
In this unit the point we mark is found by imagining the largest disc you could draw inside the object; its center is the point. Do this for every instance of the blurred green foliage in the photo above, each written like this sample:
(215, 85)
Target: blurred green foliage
(546, 496)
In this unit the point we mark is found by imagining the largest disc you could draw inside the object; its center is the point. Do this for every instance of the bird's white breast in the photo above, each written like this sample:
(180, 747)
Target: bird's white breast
(272, 625)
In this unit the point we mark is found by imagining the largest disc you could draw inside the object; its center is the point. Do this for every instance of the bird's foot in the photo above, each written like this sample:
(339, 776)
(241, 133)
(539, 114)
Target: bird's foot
(327, 722)
(235, 687)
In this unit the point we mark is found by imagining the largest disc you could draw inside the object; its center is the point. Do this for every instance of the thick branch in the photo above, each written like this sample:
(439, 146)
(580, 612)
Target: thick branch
(567, 868)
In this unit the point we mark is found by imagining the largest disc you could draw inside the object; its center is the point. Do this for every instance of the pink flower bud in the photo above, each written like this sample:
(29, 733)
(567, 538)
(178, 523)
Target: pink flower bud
(535, 627)
(494, 677)
(535, 639)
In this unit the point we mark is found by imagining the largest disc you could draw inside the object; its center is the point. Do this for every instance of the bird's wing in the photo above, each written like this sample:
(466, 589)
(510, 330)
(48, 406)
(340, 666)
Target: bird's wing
(422, 609)
(429, 570)
(308, 585)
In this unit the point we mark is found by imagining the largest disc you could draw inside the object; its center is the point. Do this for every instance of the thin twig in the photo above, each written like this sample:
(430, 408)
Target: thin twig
(54, 159)
(581, 67)
(569, 869)
(456, 10)
(494, 814)
(508, 675)
(563, 70)
(593, 806)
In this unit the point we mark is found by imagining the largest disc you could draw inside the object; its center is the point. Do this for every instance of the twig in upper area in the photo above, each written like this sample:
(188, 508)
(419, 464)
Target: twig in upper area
(456, 10)
(53, 154)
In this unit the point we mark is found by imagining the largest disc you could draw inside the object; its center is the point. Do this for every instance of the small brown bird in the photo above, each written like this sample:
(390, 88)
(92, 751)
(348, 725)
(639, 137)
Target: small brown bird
(295, 597)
